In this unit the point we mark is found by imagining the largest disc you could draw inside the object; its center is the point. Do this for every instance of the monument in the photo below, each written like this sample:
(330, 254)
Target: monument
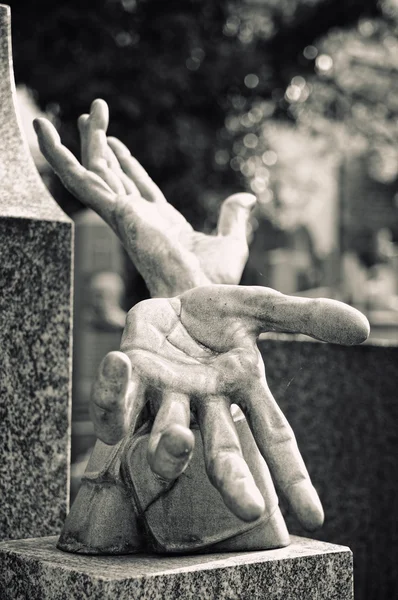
(36, 240)
(190, 356)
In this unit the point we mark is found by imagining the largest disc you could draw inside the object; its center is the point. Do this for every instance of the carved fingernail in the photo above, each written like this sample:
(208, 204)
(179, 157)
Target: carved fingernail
(246, 500)
(178, 441)
(254, 505)
(99, 112)
(336, 322)
(306, 505)
(82, 121)
(243, 199)
(173, 452)
(114, 366)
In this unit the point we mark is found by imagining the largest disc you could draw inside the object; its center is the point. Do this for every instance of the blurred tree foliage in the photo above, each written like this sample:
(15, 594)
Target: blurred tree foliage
(171, 72)
(354, 84)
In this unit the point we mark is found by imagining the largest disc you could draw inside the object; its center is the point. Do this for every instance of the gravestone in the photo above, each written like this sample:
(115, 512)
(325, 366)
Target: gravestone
(98, 256)
(35, 331)
(342, 405)
(35, 244)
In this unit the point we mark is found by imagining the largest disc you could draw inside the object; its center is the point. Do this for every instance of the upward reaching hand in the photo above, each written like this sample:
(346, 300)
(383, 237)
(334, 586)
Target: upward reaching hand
(168, 253)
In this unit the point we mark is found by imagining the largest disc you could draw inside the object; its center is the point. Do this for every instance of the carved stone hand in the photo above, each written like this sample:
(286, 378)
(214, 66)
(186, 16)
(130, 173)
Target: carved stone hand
(198, 352)
(168, 253)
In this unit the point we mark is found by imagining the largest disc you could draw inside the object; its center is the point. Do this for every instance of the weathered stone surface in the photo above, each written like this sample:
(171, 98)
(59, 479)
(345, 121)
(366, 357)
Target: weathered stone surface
(22, 192)
(307, 570)
(198, 351)
(342, 405)
(35, 332)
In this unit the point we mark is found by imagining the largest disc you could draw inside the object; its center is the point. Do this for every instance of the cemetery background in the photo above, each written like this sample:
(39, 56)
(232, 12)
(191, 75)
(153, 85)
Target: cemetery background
(202, 136)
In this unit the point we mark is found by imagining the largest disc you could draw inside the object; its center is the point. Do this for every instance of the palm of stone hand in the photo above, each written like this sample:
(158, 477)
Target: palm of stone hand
(198, 351)
(166, 354)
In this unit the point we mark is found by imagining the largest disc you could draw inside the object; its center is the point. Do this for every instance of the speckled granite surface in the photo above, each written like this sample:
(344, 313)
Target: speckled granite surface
(35, 334)
(306, 570)
(343, 406)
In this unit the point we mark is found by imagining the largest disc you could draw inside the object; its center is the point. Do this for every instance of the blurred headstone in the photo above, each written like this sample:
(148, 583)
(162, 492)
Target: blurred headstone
(283, 274)
(98, 316)
(342, 405)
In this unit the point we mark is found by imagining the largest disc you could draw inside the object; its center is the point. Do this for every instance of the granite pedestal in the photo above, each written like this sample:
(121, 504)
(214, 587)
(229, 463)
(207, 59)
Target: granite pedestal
(305, 570)
(35, 331)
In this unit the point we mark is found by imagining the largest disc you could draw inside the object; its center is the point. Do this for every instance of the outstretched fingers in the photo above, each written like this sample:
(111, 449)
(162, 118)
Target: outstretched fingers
(83, 123)
(171, 442)
(321, 318)
(88, 187)
(97, 151)
(260, 309)
(136, 172)
(117, 398)
(277, 443)
(225, 465)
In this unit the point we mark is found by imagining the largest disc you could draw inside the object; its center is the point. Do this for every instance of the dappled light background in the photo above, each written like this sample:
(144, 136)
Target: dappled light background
(295, 101)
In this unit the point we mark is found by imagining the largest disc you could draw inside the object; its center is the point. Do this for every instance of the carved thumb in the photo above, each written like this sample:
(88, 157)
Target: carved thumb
(234, 214)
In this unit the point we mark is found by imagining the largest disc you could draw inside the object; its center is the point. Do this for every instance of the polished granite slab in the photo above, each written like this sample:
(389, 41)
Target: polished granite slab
(306, 569)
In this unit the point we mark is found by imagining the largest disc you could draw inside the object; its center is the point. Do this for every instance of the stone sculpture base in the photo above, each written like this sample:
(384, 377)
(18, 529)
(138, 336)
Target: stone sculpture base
(306, 569)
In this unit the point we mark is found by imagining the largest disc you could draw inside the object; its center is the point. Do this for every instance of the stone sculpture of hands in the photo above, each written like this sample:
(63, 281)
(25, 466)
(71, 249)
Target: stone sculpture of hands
(185, 351)
(168, 253)
(198, 352)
